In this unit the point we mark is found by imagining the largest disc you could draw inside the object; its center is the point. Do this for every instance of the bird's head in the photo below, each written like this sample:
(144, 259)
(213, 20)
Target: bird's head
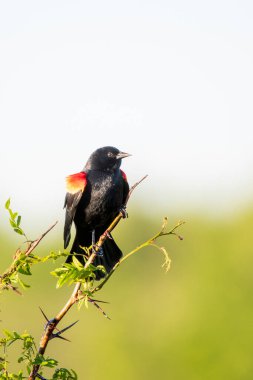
(107, 158)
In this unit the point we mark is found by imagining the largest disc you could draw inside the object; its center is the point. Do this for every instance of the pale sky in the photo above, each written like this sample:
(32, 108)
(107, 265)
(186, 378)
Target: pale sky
(169, 81)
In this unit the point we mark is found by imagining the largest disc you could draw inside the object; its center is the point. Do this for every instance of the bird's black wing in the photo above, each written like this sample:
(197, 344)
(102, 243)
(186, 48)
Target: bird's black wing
(76, 184)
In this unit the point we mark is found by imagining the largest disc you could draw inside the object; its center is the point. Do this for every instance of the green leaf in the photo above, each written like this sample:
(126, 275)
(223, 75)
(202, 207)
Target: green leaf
(14, 215)
(16, 335)
(101, 268)
(18, 220)
(80, 303)
(86, 302)
(7, 204)
(25, 269)
(45, 362)
(77, 263)
(8, 333)
(59, 271)
(28, 369)
(19, 231)
(63, 279)
(13, 223)
(24, 286)
(65, 374)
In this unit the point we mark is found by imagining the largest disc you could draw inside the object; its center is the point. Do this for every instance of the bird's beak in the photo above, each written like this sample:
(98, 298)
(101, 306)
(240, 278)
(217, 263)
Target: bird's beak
(122, 155)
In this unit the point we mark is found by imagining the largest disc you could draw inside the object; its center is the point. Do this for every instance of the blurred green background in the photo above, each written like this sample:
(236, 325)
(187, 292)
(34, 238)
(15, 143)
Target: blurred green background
(195, 322)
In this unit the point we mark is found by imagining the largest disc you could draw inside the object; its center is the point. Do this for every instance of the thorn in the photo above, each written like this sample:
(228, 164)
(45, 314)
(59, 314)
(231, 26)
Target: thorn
(60, 337)
(44, 315)
(48, 320)
(91, 300)
(99, 308)
(68, 327)
(40, 377)
(15, 289)
(57, 335)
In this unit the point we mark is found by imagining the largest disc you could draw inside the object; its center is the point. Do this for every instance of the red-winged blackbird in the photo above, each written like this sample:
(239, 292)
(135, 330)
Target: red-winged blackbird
(94, 198)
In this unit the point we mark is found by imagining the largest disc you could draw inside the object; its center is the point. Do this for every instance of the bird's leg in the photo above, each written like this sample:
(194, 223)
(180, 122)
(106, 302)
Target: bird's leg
(99, 252)
(93, 241)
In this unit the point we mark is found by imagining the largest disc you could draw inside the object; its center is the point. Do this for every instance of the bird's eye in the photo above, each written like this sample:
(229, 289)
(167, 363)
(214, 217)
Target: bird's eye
(110, 154)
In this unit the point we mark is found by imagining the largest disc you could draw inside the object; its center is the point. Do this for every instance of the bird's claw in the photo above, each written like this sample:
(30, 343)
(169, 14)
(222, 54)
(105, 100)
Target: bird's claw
(100, 252)
(123, 211)
(58, 334)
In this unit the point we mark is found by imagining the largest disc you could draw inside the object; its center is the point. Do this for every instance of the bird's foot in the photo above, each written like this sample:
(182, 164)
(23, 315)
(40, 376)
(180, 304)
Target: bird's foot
(100, 252)
(123, 211)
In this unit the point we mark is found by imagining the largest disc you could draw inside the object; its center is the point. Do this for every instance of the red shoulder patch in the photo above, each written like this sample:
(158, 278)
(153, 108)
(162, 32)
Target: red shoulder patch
(76, 182)
(123, 175)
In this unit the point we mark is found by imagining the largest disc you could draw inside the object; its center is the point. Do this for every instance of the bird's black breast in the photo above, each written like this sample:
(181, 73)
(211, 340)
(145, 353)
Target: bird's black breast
(101, 200)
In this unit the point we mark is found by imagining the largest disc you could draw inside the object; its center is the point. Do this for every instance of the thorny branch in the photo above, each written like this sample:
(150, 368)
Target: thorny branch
(51, 325)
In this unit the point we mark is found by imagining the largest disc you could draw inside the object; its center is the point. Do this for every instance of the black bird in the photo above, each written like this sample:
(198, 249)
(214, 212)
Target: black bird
(94, 198)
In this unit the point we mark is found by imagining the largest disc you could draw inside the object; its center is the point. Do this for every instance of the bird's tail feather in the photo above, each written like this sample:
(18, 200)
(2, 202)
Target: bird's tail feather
(110, 256)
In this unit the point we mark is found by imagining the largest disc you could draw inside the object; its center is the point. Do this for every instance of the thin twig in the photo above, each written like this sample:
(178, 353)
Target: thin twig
(133, 187)
(34, 244)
